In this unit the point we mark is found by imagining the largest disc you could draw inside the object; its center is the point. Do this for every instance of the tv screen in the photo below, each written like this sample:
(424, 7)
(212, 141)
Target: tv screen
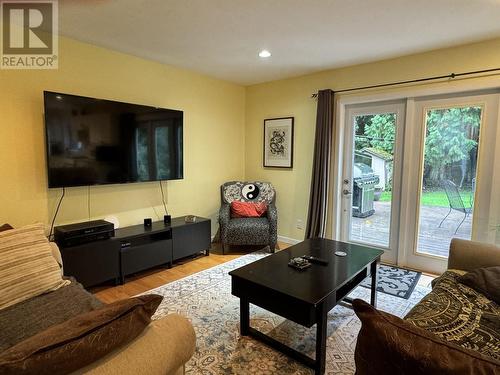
(93, 142)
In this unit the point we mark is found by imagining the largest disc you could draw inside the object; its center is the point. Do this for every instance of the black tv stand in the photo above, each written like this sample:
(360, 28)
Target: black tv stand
(134, 249)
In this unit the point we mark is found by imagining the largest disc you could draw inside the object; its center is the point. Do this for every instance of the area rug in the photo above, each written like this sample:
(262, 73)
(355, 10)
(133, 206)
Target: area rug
(395, 281)
(205, 298)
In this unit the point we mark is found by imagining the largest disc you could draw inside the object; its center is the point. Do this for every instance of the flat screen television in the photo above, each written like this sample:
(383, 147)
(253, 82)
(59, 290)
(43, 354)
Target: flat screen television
(93, 142)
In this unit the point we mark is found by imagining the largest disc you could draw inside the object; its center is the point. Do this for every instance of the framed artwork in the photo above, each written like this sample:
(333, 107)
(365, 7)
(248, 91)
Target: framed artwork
(278, 142)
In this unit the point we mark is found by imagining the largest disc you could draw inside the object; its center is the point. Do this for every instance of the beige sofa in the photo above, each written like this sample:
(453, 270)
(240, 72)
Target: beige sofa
(163, 347)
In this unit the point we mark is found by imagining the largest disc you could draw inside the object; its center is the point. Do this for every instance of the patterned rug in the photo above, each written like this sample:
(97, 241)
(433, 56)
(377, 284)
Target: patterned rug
(205, 298)
(395, 281)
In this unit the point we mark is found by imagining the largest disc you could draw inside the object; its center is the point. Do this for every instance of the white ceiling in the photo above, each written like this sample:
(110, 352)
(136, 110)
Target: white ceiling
(222, 38)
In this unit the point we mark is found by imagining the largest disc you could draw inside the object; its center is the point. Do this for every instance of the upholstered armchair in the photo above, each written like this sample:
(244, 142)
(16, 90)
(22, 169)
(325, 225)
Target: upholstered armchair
(248, 230)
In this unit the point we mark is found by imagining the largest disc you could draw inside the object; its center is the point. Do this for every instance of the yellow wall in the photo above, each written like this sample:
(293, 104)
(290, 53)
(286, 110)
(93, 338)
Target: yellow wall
(223, 130)
(214, 116)
(291, 97)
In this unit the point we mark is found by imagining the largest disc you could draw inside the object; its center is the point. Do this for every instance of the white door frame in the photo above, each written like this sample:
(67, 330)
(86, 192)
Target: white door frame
(408, 93)
(397, 107)
(412, 175)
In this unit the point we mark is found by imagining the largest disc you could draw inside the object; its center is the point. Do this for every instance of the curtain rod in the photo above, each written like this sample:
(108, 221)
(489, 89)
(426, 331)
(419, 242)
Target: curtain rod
(451, 75)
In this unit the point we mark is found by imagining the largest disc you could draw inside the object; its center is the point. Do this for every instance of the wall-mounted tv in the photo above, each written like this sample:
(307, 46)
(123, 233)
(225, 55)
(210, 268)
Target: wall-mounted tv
(93, 142)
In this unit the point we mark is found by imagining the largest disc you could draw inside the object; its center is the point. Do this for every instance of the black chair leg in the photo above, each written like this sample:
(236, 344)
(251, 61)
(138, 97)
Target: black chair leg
(442, 221)
(465, 217)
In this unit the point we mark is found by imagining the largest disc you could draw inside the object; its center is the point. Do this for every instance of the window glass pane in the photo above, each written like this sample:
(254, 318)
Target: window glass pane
(449, 177)
(372, 178)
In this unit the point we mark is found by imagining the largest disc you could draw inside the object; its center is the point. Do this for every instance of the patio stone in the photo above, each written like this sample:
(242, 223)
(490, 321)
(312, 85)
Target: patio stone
(431, 240)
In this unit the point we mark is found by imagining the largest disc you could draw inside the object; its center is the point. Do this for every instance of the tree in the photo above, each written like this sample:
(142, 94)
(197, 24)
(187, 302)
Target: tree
(377, 131)
(382, 132)
(450, 137)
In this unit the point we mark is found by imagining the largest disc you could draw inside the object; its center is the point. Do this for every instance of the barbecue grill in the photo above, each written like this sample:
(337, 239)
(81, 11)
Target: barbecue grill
(364, 182)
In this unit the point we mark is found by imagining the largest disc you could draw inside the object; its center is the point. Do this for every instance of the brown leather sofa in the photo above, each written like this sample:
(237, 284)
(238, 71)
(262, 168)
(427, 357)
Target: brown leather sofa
(455, 329)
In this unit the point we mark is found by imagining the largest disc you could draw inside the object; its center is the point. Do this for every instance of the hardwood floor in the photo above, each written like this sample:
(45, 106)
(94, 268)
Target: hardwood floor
(156, 277)
(147, 280)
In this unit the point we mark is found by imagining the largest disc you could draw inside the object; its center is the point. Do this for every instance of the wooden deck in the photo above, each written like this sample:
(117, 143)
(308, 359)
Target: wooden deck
(431, 240)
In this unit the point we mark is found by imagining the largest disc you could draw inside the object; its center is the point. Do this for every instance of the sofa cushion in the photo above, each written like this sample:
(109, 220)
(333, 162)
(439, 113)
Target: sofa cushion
(5, 227)
(484, 280)
(387, 344)
(27, 267)
(460, 315)
(79, 341)
(27, 318)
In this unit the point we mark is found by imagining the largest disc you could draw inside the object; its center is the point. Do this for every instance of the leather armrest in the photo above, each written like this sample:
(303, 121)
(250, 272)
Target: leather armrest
(469, 255)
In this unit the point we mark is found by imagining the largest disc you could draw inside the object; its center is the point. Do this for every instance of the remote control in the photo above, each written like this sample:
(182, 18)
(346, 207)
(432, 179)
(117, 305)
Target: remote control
(315, 259)
(299, 264)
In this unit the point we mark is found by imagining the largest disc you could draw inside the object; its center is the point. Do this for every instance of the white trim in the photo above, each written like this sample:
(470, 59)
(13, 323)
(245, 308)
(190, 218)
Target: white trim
(399, 109)
(475, 86)
(288, 240)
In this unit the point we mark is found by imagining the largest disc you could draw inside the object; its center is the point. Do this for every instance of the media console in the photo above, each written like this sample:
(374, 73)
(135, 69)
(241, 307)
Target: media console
(135, 248)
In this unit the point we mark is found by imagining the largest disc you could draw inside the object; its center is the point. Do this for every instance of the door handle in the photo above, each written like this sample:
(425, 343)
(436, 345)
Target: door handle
(346, 192)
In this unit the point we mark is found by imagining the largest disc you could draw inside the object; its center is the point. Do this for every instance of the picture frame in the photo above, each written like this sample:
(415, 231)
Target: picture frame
(278, 142)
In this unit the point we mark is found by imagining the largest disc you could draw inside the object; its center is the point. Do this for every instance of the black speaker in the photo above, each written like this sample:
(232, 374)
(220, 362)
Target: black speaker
(167, 219)
(148, 222)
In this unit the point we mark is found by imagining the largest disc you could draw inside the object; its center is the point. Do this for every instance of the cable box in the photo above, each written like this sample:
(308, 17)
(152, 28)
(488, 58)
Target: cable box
(81, 233)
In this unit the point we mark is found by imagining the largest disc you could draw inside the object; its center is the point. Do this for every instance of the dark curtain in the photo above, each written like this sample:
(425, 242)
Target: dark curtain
(318, 200)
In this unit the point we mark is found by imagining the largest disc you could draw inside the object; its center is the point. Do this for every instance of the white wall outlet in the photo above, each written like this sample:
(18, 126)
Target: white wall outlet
(300, 224)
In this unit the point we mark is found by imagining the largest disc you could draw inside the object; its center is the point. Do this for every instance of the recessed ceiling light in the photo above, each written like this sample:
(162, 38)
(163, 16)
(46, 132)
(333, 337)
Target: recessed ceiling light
(264, 53)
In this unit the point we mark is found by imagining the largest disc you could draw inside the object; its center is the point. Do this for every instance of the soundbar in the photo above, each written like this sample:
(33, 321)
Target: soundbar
(81, 233)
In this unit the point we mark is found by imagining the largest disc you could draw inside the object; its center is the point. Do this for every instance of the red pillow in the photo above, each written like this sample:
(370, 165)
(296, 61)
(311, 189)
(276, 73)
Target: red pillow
(247, 209)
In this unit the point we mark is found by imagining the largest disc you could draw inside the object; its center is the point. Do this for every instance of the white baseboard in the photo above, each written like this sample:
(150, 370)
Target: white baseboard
(288, 240)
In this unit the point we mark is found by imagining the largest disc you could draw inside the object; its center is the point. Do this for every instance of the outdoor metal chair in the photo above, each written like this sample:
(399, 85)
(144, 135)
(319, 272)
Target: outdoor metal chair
(456, 202)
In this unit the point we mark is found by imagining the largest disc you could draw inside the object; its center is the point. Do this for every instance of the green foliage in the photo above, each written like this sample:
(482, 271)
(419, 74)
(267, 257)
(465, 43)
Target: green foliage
(434, 198)
(376, 131)
(382, 132)
(450, 137)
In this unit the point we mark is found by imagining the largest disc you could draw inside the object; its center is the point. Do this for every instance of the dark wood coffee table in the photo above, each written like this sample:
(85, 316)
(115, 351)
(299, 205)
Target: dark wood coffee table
(307, 296)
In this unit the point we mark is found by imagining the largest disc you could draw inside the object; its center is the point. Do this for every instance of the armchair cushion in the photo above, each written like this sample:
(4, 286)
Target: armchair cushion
(244, 191)
(248, 231)
(247, 209)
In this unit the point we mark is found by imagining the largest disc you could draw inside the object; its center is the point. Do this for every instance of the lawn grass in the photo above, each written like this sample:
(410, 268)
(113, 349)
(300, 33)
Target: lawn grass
(432, 198)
